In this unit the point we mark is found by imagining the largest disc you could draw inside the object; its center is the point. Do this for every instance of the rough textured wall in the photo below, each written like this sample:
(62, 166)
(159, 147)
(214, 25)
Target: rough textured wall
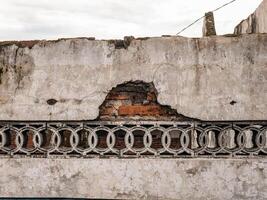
(211, 78)
(164, 179)
(256, 22)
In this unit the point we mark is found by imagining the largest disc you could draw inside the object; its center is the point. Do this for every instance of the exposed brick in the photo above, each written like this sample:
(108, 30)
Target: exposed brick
(107, 111)
(141, 110)
(135, 99)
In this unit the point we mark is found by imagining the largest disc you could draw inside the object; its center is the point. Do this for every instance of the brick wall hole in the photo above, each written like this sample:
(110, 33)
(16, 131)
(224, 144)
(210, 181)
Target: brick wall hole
(136, 100)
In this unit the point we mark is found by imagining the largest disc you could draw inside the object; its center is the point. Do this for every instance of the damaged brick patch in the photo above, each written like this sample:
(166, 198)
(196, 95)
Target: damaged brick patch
(136, 100)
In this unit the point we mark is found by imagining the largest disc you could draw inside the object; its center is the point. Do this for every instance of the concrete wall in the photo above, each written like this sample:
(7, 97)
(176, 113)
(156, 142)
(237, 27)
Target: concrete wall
(211, 78)
(198, 179)
(256, 22)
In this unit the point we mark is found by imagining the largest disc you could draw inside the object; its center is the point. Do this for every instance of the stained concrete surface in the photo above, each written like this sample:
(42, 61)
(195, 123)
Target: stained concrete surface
(199, 77)
(164, 179)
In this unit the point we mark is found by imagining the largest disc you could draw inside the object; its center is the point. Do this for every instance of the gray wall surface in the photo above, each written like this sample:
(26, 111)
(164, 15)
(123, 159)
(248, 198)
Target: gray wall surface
(198, 179)
(211, 78)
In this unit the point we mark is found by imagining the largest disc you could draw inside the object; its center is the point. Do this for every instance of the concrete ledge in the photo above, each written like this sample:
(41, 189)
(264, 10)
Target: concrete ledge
(134, 178)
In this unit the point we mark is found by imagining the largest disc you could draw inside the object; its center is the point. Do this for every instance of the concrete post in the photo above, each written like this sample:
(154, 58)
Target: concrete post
(208, 25)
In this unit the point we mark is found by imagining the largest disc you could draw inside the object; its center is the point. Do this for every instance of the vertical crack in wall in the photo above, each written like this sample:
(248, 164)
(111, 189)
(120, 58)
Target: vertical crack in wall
(136, 100)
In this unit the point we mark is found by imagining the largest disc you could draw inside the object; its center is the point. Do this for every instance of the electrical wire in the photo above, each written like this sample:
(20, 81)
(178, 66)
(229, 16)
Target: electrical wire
(226, 4)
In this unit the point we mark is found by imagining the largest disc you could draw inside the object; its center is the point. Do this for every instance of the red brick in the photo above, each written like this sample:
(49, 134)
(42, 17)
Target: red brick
(141, 110)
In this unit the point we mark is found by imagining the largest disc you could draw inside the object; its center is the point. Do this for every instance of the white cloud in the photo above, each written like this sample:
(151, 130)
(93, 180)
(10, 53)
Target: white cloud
(47, 19)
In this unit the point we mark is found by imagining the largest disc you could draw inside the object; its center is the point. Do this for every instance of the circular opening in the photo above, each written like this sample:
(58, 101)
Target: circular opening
(102, 138)
(156, 139)
(175, 136)
(83, 139)
(138, 138)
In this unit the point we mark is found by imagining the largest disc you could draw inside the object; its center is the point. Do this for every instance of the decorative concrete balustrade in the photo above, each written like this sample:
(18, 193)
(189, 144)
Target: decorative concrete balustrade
(134, 139)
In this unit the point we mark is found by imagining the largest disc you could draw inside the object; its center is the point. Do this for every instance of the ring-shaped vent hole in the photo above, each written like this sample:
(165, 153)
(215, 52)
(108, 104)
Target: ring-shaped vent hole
(156, 139)
(120, 135)
(47, 141)
(83, 139)
(27, 142)
(102, 138)
(175, 136)
(250, 141)
(10, 139)
(229, 139)
(194, 137)
(211, 138)
(65, 135)
(138, 138)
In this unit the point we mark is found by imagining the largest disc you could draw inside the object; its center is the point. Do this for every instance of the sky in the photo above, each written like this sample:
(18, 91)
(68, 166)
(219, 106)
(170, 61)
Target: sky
(114, 19)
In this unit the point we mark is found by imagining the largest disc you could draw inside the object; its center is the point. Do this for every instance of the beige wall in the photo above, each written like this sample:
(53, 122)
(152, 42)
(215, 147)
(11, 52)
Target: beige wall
(197, 76)
(197, 179)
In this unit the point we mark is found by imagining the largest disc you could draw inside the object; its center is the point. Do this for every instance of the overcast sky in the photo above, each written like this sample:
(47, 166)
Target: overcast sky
(106, 19)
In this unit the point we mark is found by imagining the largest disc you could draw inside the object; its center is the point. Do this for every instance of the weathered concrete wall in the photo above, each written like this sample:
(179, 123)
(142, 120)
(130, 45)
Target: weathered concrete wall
(256, 22)
(212, 78)
(164, 179)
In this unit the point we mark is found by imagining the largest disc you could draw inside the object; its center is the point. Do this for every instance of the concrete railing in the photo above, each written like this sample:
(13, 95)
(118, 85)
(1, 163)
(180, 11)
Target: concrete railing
(134, 139)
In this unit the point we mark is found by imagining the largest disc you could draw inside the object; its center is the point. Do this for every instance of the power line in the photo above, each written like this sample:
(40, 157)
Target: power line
(204, 16)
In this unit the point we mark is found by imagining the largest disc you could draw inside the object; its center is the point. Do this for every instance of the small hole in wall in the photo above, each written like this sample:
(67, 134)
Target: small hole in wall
(51, 101)
(233, 102)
